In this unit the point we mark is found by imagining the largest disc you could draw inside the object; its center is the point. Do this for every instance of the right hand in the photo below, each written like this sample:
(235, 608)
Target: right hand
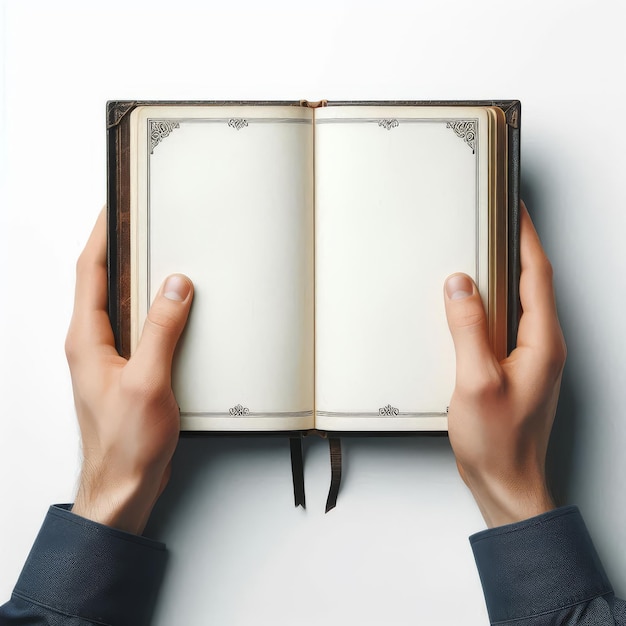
(501, 413)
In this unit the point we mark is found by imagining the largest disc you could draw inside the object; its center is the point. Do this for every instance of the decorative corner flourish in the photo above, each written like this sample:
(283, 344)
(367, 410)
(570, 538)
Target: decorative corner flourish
(466, 130)
(237, 123)
(388, 411)
(159, 130)
(239, 410)
(388, 124)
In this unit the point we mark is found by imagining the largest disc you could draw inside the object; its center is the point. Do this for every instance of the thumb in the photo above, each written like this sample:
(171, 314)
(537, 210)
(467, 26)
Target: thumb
(468, 326)
(164, 324)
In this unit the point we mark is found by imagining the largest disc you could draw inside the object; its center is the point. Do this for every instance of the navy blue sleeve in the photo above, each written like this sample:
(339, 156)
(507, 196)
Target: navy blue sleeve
(545, 570)
(81, 573)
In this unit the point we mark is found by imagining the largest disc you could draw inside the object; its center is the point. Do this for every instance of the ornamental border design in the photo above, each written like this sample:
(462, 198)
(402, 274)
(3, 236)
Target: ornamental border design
(388, 124)
(239, 409)
(388, 410)
(465, 130)
(237, 123)
(159, 130)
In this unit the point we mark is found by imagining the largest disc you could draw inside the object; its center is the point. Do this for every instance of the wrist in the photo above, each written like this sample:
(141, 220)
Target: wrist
(504, 504)
(123, 504)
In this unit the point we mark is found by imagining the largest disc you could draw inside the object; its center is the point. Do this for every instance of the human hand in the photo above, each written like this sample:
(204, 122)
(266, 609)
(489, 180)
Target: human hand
(128, 417)
(501, 413)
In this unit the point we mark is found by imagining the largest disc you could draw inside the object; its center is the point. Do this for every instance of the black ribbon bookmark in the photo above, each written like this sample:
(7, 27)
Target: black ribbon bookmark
(297, 470)
(334, 445)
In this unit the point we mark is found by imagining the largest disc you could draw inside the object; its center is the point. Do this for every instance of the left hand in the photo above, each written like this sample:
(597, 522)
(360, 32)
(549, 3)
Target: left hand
(128, 416)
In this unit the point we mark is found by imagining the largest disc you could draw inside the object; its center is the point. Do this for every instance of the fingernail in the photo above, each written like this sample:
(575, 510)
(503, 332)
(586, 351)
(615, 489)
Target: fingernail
(176, 287)
(459, 286)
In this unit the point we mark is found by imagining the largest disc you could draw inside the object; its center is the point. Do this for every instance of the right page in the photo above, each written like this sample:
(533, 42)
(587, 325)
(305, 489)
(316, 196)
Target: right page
(401, 202)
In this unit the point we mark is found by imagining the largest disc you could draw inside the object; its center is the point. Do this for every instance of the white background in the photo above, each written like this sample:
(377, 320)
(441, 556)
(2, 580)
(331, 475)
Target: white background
(395, 550)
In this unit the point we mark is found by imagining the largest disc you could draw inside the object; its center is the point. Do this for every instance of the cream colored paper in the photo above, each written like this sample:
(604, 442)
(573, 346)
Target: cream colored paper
(401, 203)
(226, 196)
(230, 203)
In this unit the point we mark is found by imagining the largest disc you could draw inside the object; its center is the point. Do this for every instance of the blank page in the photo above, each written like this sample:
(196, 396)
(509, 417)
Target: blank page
(401, 203)
(227, 200)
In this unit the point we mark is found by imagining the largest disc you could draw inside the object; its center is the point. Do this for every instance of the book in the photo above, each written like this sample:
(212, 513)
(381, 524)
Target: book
(318, 237)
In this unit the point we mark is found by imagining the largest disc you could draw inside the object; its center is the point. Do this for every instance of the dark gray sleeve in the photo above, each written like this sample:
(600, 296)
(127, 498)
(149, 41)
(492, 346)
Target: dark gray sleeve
(544, 571)
(80, 573)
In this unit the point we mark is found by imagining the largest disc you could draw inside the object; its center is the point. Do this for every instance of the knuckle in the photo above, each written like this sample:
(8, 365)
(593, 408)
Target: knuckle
(146, 390)
(545, 267)
(71, 346)
(483, 386)
(161, 318)
(470, 318)
(555, 357)
(560, 353)
(487, 389)
(472, 321)
(82, 263)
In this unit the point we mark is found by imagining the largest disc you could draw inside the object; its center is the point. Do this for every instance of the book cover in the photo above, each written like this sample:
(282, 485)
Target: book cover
(318, 238)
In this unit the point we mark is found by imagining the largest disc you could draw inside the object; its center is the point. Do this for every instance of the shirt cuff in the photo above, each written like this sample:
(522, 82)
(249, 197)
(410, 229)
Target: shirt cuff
(539, 565)
(80, 568)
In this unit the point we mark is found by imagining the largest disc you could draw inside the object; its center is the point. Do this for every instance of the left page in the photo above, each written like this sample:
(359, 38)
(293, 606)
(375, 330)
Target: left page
(224, 194)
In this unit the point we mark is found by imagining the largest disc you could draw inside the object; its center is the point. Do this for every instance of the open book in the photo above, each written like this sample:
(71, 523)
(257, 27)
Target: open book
(318, 239)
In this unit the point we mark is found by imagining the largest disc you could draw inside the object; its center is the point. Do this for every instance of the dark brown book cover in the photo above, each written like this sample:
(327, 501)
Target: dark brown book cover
(118, 145)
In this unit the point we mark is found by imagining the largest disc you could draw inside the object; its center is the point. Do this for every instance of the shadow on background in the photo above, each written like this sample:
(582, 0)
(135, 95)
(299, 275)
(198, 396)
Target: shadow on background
(563, 440)
(200, 461)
